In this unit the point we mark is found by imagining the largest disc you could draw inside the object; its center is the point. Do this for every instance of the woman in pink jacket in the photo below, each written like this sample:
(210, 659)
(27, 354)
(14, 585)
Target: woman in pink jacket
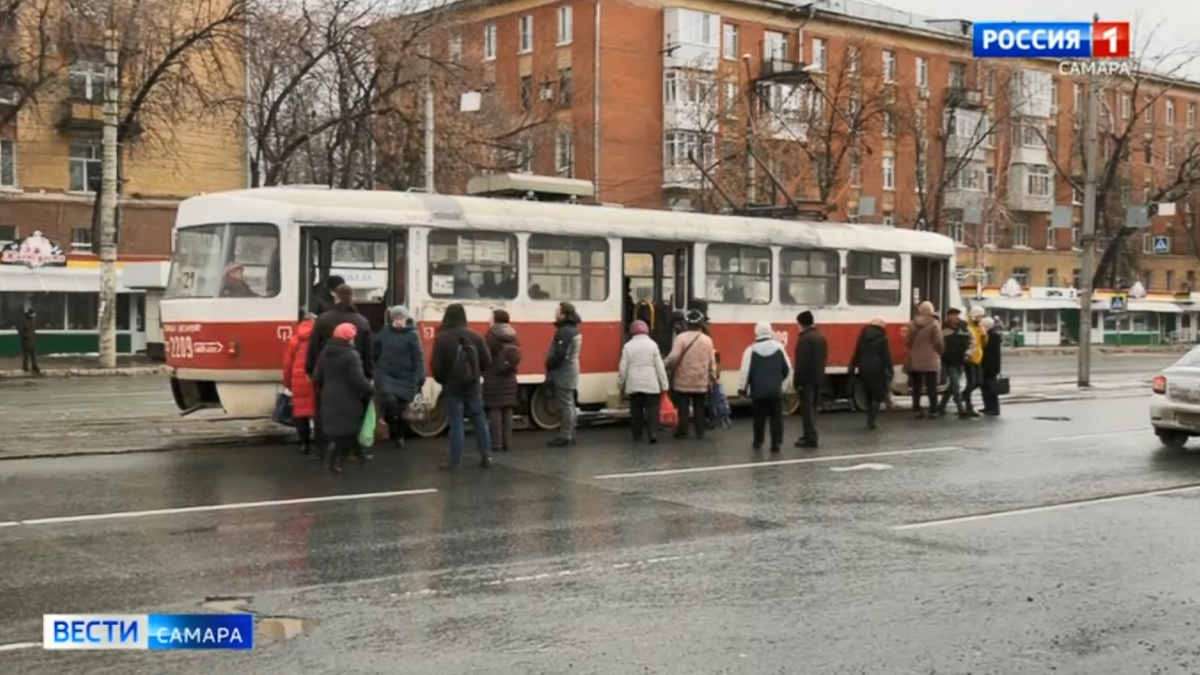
(693, 367)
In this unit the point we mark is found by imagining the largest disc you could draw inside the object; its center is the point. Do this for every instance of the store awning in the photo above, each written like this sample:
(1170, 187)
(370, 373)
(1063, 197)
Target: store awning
(1019, 304)
(1141, 306)
(53, 280)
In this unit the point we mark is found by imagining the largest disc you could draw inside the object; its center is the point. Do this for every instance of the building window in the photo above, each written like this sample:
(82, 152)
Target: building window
(472, 265)
(958, 75)
(1053, 96)
(454, 48)
(9, 234)
(889, 125)
(1052, 277)
(1020, 234)
(1076, 196)
(738, 275)
(775, 46)
(855, 169)
(81, 238)
(698, 28)
(1148, 279)
(889, 67)
(873, 279)
(525, 34)
(889, 219)
(1075, 237)
(922, 72)
(568, 268)
(1170, 280)
(1191, 116)
(525, 155)
(565, 79)
(677, 145)
(1126, 106)
(527, 92)
(1170, 112)
(731, 98)
(1169, 154)
(989, 180)
(808, 277)
(564, 154)
(956, 232)
(85, 167)
(729, 41)
(1191, 280)
(889, 173)
(1021, 276)
(819, 53)
(489, 42)
(670, 87)
(565, 25)
(1148, 107)
(87, 81)
(8, 163)
(1037, 182)
(989, 234)
(1078, 97)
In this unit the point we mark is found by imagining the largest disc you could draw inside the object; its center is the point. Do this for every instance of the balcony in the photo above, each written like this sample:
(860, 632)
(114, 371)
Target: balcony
(964, 97)
(681, 177)
(1026, 154)
(784, 71)
(962, 198)
(963, 146)
(785, 126)
(1031, 94)
(83, 116)
(690, 116)
(1021, 198)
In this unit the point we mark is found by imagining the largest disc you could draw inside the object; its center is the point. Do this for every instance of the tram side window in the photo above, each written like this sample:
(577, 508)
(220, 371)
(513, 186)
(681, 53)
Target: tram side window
(808, 277)
(873, 279)
(470, 265)
(738, 275)
(235, 260)
(568, 268)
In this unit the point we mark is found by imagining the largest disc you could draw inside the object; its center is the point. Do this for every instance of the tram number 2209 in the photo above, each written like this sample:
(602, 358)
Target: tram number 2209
(180, 347)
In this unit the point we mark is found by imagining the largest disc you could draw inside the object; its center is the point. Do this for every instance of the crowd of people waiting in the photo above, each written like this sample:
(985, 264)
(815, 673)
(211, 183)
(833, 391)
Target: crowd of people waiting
(335, 368)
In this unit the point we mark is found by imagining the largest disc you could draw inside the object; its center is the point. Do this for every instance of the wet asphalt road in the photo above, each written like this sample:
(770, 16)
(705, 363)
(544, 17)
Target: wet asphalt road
(560, 561)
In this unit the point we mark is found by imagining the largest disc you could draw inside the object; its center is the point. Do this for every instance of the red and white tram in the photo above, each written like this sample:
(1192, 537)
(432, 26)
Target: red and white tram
(427, 251)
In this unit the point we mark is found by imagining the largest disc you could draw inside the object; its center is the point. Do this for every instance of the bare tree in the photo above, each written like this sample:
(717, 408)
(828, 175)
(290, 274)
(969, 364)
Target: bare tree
(1136, 140)
(29, 33)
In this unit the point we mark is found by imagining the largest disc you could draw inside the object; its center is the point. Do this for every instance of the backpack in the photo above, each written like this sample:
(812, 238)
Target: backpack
(466, 364)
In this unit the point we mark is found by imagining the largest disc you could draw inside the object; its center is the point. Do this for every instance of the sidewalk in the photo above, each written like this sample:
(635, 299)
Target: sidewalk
(81, 366)
(1105, 349)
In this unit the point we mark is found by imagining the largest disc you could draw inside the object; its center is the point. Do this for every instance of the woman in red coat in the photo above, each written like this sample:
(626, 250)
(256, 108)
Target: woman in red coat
(304, 399)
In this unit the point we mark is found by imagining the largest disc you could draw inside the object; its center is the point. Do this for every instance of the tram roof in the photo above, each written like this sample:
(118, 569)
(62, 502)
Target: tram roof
(368, 208)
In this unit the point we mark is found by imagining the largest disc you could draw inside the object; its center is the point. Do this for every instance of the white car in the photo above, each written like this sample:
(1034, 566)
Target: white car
(1175, 403)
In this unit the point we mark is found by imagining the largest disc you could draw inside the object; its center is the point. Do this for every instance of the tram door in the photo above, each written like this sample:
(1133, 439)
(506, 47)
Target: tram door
(370, 260)
(929, 282)
(656, 283)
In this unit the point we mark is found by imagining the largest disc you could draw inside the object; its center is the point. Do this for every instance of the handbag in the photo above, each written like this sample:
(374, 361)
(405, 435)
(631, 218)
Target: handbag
(366, 432)
(668, 415)
(417, 410)
(1002, 387)
(283, 413)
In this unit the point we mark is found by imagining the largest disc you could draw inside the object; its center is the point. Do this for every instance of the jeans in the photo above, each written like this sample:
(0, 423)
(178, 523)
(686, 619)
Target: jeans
(768, 410)
(564, 401)
(991, 400)
(29, 361)
(809, 398)
(643, 415)
(953, 389)
(692, 409)
(500, 428)
(928, 383)
(974, 380)
(458, 407)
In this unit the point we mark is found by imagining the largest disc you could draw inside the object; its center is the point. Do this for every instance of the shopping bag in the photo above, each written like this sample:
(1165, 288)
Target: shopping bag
(417, 410)
(1002, 387)
(719, 402)
(668, 416)
(283, 411)
(366, 433)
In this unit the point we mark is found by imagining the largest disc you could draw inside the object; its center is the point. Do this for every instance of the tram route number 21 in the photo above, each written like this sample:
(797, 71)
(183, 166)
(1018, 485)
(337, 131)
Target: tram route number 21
(180, 347)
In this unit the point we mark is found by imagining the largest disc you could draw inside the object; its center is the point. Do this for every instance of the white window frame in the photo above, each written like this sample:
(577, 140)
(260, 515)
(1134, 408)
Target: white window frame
(1148, 109)
(1170, 112)
(820, 54)
(889, 173)
(1020, 234)
(889, 218)
(731, 98)
(854, 168)
(922, 73)
(696, 28)
(8, 147)
(677, 143)
(92, 73)
(775, 46)
(525, 34)
(566, 25)
(670, 87)
(730, 41)
(889, 67)
(489, 42)
(888, 124)
(1169, 153)
(1126, 106)
(1191, 116)
(454, 48)
(94, 159)
(956, 231)
(564, 153)
(1078, 97)
(1038, 176)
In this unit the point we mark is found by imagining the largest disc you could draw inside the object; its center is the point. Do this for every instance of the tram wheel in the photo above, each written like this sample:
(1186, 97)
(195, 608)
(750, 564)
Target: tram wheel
(434, 424)
(791, 402)
(542, 411)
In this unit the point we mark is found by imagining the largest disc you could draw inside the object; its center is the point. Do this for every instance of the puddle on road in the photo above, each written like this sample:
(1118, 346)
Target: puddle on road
(1053, 419)
(270, 628)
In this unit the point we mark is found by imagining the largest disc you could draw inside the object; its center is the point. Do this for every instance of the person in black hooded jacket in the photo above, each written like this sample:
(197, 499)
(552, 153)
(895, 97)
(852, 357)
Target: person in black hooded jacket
(460, 358)
(872, 360)
(343, 311)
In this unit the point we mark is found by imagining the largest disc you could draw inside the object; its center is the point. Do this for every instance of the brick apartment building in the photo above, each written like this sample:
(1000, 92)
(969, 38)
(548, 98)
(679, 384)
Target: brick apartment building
(629, 89)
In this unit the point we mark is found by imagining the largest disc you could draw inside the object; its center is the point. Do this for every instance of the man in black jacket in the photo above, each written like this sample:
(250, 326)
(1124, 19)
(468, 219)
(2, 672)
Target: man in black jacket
(959, 343)
(343, 311)
(27, 330)
(811, 354)
(460, 357)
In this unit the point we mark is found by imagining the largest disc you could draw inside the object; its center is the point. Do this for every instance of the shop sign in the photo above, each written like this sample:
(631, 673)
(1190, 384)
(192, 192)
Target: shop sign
(33, 252)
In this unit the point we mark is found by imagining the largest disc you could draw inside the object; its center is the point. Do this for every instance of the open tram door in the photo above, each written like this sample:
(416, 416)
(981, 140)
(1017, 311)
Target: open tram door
(656, 283)
(930, 281)
(369, 259)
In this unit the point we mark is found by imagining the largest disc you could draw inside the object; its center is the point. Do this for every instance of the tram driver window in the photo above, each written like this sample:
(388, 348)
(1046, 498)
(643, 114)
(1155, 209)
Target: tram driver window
(469, 265)
(568, 268)
(873, 279)
(738, 275)
(808, 277)
(238, 260)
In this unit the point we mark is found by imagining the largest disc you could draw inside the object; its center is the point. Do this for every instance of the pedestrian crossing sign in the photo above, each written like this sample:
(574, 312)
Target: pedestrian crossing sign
(1162, 245)
(1118, 302)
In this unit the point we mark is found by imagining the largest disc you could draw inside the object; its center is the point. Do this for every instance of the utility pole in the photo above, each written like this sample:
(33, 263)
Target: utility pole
(429, 138)
(107, 323)
(1089, 232)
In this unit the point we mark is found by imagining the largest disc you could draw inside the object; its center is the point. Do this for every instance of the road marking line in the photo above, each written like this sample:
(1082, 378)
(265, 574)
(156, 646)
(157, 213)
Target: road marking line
(1116, 432)
(779, 462)
(11, 523)
(12, 647)
(222, 507)
(1046, 508)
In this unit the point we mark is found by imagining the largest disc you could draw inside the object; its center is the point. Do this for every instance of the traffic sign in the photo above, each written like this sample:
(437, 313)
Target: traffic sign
(1118, 302)
(1162, 245)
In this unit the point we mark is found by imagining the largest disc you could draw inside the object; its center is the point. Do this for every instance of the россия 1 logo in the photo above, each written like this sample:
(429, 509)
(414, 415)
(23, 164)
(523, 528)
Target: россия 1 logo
(1101, 48)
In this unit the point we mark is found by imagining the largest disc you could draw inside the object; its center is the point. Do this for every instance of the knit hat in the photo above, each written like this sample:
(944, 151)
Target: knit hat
(639, 327)
(977, 312)
(762, 331)
(346, 332)
(399, 311)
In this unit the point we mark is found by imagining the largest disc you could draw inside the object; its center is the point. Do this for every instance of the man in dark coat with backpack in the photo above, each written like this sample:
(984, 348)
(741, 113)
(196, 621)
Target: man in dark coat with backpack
(460, 358)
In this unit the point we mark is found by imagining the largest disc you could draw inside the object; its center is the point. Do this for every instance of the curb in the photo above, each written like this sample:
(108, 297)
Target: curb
(266, 438)
(1072, 351)
(135, 371)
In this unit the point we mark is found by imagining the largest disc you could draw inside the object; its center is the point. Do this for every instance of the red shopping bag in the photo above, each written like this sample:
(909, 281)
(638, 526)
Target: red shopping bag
(668, 416)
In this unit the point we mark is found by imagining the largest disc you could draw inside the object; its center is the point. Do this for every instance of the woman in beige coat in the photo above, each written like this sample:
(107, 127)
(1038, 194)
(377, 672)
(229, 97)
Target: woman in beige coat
(925, 347)
(693, 367)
